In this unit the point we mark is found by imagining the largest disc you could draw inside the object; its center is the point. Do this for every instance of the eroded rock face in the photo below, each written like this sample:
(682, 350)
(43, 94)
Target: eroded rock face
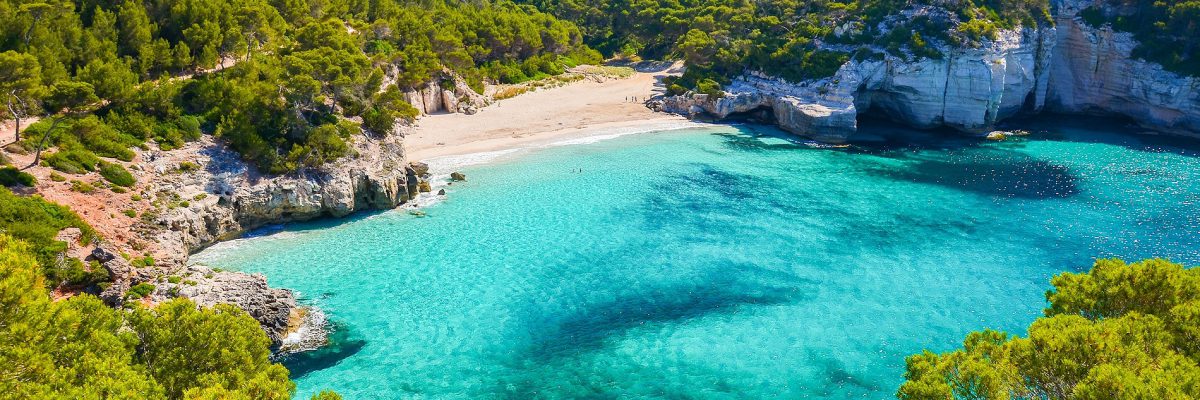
(968, 90)
(122, 273)
(1093, 73)
(226, 196)
(439, 96)
(1072, 68)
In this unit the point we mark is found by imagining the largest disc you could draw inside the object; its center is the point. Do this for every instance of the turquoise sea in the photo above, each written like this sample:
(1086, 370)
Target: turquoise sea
(721, 263)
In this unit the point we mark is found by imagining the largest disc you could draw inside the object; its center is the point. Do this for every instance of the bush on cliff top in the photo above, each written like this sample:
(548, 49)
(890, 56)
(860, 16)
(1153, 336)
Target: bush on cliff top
(1120, 331)
(1168, 32)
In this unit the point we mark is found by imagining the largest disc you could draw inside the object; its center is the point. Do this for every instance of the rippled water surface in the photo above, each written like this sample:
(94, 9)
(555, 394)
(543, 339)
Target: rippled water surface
(721, 263)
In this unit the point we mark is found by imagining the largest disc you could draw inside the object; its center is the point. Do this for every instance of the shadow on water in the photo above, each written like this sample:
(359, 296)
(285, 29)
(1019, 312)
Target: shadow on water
(721, 292)
(1101, 130)
(342, 344)
(839, 380)
(997, 175)
(704, 192)
(760, 138)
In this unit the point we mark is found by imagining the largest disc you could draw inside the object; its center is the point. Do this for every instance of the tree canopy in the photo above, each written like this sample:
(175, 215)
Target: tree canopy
(1119, 331)
(81, 348)
(281, 81)
(791, 39)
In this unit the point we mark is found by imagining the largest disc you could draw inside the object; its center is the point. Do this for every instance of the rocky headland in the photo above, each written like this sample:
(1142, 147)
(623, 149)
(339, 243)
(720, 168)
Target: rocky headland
(189, 198)
(1071, 68)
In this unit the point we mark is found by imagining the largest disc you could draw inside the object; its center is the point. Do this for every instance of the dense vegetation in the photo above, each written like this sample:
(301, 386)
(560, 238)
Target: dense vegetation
(1120, 331)
(291, 72)
(1167, 31)
(37, 222)
(784, 38)
(79, 348)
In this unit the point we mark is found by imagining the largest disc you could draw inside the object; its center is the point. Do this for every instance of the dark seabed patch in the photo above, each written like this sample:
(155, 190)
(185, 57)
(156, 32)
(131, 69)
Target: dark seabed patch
(992, 173)
(721, 292)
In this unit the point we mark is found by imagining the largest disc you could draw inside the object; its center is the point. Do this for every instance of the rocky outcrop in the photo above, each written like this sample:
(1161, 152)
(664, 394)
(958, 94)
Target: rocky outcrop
(123, 274)
(1094, 73)
(448, 93)
(204, 193)
(275, 309)
(225, 196)
(1070, 68)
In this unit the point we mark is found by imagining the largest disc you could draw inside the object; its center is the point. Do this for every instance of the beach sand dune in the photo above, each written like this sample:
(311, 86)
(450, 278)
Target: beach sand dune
(576, 110)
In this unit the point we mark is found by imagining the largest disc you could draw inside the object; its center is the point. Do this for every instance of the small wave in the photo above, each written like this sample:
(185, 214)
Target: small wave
(440, 168)
(613, 133)
(448, 164)
(312, 334)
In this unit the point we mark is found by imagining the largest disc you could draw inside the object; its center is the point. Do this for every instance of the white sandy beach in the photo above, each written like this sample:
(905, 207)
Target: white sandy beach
(575, 111)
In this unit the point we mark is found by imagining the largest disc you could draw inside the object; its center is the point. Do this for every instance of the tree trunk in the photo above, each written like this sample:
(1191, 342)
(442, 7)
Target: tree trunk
(37, 157)
(17, 117)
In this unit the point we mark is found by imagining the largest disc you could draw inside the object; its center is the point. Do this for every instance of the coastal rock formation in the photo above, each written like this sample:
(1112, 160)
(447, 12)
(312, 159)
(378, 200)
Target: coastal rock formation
(275, 309)
(123, 273)
(447, 94)
(1094, 73)
(205, 193)
(1072, 68)
(226, 196)
(968, 90)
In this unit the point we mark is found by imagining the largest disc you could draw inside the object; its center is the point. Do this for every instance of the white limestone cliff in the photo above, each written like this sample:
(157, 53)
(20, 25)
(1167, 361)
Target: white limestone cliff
(1093, 72)
(968, 89)
(1071, 68)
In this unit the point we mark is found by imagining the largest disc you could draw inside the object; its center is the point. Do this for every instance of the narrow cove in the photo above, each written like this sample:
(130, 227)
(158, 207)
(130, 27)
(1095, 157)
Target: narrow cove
(724, 262)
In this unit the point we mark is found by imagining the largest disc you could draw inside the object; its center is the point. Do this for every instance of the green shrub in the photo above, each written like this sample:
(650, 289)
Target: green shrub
(188, 166)
(116, 174)
(82, 187)
(37, 222)
(54, 176)
(710, 88)
(102, 139)
(141, 262)
(131, 213)
(1119, 331)
(71, 272)
(74, 161)
(11, 176)
(174, 279)
(140, 290)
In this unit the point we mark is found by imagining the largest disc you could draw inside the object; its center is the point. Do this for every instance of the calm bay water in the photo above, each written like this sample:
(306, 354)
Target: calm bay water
(721, 263)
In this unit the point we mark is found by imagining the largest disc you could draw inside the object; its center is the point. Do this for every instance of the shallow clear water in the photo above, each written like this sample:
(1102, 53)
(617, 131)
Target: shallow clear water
(720, 263)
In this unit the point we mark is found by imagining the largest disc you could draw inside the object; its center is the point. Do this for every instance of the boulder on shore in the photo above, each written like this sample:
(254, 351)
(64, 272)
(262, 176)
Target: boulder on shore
(458, 176)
